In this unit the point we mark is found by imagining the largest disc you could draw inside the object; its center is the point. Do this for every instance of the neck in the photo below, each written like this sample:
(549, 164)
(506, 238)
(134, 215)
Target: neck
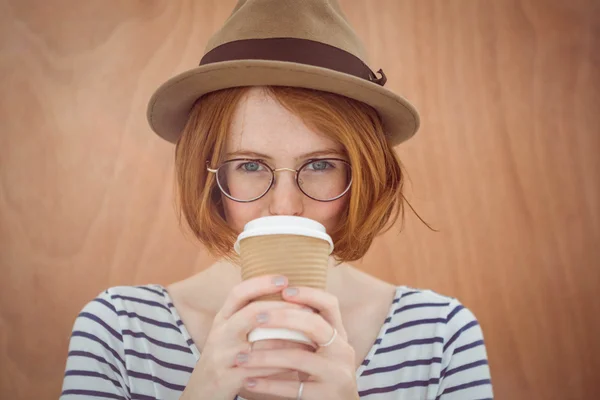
(343, 281)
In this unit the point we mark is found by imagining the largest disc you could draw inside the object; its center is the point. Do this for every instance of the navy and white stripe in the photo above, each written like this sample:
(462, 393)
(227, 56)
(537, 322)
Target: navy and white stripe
(130, 343)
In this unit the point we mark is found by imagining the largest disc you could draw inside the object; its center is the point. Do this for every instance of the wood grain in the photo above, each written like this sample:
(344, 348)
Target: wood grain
(506, 166)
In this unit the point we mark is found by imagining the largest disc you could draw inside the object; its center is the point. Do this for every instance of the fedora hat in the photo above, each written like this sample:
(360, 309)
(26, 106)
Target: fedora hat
(298, 43)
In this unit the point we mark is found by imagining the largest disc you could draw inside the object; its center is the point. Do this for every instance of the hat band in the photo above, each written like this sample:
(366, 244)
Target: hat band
(302, 51)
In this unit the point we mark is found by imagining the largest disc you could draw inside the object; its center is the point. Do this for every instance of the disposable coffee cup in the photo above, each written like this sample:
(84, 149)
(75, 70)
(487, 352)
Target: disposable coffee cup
(295, 247)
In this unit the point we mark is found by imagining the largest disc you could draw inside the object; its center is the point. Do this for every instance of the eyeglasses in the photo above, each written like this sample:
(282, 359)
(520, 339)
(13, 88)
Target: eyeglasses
(245, 180)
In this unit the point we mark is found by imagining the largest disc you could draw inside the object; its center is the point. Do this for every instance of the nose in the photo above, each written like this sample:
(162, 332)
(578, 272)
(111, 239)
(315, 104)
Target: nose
(285, 197)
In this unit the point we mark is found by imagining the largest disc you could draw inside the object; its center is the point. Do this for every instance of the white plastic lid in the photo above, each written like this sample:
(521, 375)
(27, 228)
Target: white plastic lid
(284, 225)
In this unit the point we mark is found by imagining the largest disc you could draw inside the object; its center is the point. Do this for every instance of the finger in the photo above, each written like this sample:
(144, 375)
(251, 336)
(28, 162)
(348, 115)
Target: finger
(243, 321)
(321, 368)
(325, 303)
(285, 388)
(310, 323)
(231, 337)
(244, 292)
(241, 359)
(237, 376)
(232, 355)
(243, 373)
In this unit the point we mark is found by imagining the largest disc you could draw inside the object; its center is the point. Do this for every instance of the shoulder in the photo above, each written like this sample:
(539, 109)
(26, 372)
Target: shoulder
(432, 304)
(150, 298)
(442, 327)
(127, 335)
(131, 317)
(424, 313)
(97, 347)
(124, 310)
(123, 300)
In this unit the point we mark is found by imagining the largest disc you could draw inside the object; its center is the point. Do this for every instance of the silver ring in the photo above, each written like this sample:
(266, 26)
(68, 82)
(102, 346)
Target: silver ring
(330, 340)
(300, 389)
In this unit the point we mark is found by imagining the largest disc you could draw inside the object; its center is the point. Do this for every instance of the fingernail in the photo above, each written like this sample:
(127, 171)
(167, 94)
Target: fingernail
(262, 317)
(279, 281)
(309, 309)
(242, 358)
(291, 291)
(250, 383)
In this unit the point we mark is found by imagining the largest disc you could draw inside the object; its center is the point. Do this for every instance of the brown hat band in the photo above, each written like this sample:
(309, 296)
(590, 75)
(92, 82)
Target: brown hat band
(295, 50)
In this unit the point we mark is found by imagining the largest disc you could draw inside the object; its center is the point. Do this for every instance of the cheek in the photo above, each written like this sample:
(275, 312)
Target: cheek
(328, 214)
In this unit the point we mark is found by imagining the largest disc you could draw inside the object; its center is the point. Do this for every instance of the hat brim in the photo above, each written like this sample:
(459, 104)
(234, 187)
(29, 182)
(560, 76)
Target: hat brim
(170, 104)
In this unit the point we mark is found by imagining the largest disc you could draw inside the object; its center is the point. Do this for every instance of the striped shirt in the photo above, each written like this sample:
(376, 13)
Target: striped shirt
(130, 343)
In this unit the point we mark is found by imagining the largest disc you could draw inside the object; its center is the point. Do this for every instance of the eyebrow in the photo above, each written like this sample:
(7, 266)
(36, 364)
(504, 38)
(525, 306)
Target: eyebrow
(323, 152)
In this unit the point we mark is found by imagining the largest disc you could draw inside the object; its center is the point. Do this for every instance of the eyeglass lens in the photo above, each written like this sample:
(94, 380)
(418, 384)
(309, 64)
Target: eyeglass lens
(322, 179)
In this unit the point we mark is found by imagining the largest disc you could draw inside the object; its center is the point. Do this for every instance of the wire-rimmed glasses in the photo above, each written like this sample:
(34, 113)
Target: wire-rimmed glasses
(246, 179)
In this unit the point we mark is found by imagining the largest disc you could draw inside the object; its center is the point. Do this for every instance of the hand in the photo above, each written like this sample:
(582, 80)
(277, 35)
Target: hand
(331, 369)
(217, 375)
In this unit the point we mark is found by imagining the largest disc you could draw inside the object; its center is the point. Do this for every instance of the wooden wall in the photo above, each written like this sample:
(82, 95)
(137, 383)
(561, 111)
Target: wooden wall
(506, 166)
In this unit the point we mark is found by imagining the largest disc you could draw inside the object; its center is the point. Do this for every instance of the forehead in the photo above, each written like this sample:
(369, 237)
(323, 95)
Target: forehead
(261, 124)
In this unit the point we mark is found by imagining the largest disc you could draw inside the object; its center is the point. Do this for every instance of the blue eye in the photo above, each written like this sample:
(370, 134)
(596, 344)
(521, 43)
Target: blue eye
(250, 166)
(321, 165)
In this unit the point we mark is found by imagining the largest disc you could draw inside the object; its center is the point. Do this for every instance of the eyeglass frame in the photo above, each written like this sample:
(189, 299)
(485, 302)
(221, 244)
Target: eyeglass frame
(297, 174)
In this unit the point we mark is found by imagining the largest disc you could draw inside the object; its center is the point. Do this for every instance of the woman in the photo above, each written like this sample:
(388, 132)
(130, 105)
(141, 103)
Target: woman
(281, 90)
